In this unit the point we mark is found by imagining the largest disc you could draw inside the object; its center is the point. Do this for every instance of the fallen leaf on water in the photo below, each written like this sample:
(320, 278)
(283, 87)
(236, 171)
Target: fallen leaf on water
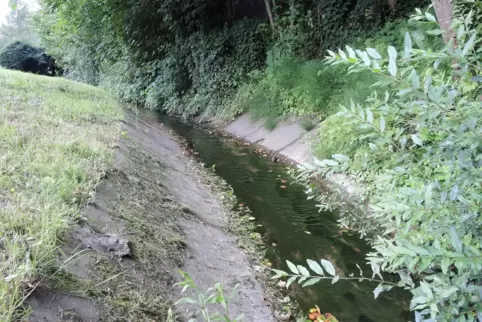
(283, 187)
(307, 232)
(270, 170)
(274, 244)
(241, 204)
(252, 218)
(283, 181)
(356, 249)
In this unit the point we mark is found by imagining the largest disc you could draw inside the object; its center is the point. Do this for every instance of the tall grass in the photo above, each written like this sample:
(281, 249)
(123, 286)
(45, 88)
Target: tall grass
(291, 86)
(54, 142)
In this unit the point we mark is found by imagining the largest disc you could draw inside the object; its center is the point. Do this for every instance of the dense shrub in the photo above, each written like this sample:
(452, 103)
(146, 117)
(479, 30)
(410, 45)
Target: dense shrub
(190, 57)
(419, 159)
(308, 28)
(393, 33)
(473, 7)
(26, 58)
(293, 86)
(198, 76)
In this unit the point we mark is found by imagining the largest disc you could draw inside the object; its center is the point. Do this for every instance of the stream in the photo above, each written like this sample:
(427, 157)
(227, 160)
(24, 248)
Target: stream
(293, 229)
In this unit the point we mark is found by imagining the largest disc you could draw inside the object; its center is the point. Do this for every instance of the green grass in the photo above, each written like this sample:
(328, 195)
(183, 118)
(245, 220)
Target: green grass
(55, 138)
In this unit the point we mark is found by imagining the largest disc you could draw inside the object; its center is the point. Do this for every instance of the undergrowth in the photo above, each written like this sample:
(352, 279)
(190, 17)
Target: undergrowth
(54, 137)
(293, 86)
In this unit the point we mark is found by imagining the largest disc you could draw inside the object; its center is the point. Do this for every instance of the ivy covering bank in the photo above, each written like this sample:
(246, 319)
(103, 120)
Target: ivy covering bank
(191, 57)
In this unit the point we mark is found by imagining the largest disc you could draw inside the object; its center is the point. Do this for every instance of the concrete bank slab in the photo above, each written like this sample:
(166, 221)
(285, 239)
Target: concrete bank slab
(291, 141)
(288, 138)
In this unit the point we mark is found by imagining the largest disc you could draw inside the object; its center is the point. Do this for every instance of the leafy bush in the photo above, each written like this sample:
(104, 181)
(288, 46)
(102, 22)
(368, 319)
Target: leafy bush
(308, 28)
(151, 53)
(464, 7)
(337, 136)
(190, 57)
(205, 301)
(393, 33)
(424, 205)
(292, 86)
(26, 58)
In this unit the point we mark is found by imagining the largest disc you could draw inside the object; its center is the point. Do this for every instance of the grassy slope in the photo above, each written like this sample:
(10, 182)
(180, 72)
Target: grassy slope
(54, 147)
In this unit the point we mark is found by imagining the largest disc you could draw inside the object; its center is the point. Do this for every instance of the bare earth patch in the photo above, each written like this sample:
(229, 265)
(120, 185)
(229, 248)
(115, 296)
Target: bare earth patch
(151, 214)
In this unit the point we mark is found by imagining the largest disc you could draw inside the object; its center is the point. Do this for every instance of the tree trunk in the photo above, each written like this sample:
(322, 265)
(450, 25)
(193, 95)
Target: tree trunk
(270, 15)
(444, 10)
(393, 5)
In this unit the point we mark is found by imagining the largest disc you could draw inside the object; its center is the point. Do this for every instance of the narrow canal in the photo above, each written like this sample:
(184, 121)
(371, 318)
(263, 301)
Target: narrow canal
(294, 230)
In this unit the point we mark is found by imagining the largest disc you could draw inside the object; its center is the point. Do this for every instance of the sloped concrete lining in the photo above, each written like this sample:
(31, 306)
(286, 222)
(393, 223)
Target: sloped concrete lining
(288, 138)
(291, 141)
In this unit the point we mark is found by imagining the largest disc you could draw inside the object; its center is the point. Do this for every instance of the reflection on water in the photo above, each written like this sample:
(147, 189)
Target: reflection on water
(296, 228)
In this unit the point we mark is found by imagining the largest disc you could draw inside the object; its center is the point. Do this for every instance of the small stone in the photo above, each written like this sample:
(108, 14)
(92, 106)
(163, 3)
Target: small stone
(114, 244)
(281, 284)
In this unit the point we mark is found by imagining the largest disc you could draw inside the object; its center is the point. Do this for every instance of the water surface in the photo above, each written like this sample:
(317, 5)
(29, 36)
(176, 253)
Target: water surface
(293, 229)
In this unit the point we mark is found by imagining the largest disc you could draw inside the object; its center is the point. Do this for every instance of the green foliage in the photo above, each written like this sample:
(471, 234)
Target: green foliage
(26, 58)
(215, 63)
(337, 136)
(291, 86)
(190, 57)
(165, 67)
(464, 7)
(316, 271)
(424, 203)
(309, 28)
(393, 33)
(205, 301)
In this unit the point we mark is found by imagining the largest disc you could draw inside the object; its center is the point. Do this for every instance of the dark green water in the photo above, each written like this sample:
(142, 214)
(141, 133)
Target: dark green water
(293, 229)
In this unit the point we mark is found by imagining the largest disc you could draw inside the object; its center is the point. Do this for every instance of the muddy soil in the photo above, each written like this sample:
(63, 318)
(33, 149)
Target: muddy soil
(152, 214)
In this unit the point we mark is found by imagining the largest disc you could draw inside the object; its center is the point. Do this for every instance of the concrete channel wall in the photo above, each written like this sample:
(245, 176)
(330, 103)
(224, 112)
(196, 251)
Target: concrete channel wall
(289, 139)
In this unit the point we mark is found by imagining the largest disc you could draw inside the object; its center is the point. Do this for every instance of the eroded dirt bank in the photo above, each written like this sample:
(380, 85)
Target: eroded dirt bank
(151, 214)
